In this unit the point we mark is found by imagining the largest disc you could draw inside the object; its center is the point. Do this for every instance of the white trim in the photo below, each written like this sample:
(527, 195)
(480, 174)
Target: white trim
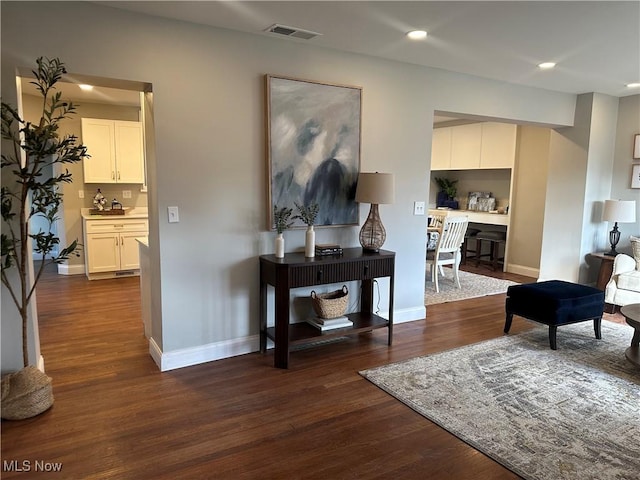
(187, 357)
(155, 352)
(522, 270)
(407, 314)
(64, 269)
(41, 364)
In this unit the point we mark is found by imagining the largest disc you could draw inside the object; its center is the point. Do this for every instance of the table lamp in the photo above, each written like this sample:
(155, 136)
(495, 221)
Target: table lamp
(374, 188)
(623, 211)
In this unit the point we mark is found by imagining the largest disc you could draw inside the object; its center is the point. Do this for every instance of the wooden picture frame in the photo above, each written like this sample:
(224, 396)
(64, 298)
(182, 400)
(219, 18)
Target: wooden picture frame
(636, 146)
(635, 176)
(313, 148)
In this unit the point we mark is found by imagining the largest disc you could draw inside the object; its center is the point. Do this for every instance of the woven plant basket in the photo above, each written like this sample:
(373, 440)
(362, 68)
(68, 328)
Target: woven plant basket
(332, 304)
(25, 394)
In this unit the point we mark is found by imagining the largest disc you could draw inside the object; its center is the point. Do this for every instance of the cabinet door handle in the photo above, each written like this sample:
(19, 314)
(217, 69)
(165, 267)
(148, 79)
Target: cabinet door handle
(113, 175)
(366, 269)
(118, 174)
(319, 276)
(116, 241)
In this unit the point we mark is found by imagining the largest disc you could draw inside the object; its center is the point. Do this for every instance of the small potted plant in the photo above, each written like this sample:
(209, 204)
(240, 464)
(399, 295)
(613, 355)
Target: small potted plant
(281, 217)
(308, 214)
(446, 197)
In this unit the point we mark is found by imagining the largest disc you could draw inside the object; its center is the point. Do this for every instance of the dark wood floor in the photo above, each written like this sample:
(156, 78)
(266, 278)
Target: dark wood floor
(116, 416)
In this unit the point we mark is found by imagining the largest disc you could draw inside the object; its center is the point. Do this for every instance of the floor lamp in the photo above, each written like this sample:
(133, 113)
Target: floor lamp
(623, 211)
(374, 188)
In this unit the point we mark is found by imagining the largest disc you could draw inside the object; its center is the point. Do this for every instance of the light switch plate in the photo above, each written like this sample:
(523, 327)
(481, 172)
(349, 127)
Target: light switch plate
(126, 193)
(174, 216)
(80, 193)
(418, 208)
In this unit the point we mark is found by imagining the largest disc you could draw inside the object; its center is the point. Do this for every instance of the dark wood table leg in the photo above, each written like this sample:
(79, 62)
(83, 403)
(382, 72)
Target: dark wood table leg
(263, 317)
(391, 292)
(282, 327)
(366, 298)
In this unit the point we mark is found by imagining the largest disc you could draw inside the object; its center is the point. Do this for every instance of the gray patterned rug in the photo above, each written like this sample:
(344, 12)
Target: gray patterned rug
(573, 413)
(472, 286)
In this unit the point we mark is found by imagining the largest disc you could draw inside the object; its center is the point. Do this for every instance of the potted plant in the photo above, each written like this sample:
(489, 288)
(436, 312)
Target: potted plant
(308, 214)
(28, 148)
(282, 221)
(446, 197)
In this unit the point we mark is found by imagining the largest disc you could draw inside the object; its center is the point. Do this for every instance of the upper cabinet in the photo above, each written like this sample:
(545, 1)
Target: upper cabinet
(116, 151)
(498, 145)
(441, 149)
(474, 146)
(466, 141)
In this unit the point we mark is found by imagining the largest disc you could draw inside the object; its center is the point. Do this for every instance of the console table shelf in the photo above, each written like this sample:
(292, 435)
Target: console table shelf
(302, 333)
(294, 270)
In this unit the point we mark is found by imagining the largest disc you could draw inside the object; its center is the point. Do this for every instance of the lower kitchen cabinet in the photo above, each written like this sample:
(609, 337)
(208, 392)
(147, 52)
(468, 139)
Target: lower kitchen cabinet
(111, 249)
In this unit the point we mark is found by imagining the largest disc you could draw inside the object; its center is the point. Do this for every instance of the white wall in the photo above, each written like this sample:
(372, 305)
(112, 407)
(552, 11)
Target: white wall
(208, 105)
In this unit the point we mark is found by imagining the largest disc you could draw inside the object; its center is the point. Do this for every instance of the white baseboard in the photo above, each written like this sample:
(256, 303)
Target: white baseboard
(187, 357)
(64, 269)
(407, 314)
(522, 270)
(41, 364)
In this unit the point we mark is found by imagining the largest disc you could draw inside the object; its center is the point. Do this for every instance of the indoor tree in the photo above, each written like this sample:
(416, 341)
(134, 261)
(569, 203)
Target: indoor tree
(27, 192)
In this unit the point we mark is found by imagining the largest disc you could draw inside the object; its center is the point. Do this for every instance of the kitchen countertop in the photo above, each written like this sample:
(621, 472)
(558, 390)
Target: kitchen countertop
(129, 212)
(143, 241)
(480, 217)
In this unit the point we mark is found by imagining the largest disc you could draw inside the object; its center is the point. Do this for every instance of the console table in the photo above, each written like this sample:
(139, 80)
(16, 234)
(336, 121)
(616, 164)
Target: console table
(294, 270)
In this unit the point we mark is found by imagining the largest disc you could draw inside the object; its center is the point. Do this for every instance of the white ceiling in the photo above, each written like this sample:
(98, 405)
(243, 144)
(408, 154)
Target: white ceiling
(596, 44)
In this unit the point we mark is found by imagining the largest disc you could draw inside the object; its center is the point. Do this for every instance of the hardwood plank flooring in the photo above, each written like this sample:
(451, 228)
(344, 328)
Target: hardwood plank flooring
(116, 416)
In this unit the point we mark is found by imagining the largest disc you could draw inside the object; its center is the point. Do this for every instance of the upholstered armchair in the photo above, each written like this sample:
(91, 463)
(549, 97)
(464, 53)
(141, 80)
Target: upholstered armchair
(624, 286)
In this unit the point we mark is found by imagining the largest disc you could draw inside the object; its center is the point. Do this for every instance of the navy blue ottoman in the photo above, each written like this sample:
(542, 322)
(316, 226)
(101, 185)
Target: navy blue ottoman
(555, 303)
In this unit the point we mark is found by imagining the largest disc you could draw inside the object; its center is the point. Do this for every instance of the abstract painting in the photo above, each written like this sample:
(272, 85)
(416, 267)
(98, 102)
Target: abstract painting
(313, 148)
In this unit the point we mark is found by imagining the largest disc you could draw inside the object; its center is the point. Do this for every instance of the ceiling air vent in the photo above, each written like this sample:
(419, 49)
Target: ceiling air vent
(292, 32)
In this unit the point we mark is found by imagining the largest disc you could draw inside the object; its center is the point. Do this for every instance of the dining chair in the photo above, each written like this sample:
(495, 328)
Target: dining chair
(448, 248)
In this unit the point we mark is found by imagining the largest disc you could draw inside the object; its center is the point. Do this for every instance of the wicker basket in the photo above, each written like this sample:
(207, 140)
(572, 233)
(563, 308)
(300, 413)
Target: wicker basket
(331, 304)
(26, 394)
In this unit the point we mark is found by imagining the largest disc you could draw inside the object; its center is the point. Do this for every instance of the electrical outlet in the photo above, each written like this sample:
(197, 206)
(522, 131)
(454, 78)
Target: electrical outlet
(80, 193)
(126, 193)
(418, 208)
(174, 216)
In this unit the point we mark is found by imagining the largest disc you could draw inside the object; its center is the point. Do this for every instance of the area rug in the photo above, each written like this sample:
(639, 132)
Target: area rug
(473, 286)
(572, 413)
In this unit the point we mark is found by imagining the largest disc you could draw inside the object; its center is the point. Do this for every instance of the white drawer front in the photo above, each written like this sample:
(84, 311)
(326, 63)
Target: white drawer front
(132, 225)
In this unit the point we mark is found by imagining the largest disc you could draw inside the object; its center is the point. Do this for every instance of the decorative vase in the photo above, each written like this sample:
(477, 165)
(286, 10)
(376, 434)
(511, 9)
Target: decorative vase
(280, 246)
(310, 243)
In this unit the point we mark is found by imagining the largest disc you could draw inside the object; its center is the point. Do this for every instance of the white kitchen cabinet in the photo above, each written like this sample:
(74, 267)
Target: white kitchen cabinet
(466, 141)
(116, 151)
(474, 146)
(498, 145)
(441, 149)
(111, 248)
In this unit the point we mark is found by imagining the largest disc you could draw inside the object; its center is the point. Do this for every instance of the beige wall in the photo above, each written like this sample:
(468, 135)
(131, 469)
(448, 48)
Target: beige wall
(527, 214)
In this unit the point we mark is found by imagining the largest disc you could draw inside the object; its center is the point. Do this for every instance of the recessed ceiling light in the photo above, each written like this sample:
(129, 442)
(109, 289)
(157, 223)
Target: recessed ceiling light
(85, 87)
(633, 85)
(546, 65)
(417, 35)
